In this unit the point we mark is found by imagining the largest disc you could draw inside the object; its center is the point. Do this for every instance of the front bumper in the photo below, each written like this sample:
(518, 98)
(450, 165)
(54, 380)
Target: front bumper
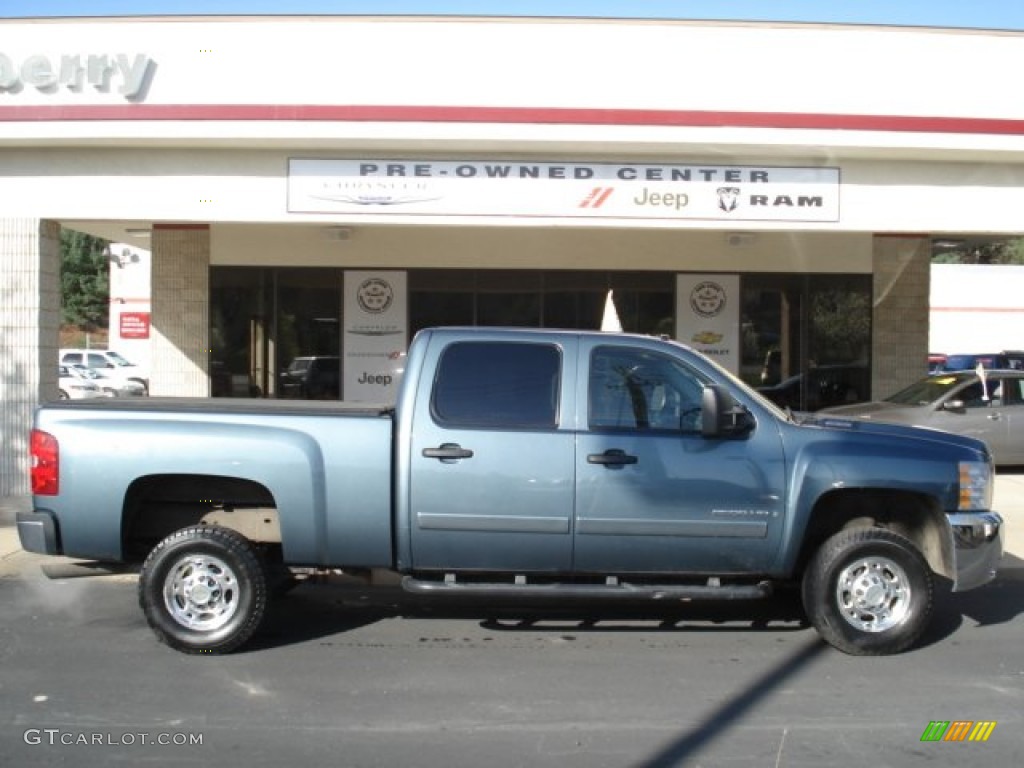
(977, 548)
(38, 532)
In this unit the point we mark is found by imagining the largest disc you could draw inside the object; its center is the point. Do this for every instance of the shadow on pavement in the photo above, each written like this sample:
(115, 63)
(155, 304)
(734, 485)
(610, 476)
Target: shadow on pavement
(316, 611)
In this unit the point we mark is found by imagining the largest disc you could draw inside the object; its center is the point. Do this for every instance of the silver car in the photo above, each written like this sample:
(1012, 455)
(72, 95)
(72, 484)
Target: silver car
(988, 406)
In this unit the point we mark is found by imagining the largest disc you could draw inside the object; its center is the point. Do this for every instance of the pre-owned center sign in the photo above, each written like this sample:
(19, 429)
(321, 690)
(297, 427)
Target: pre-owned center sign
(577, 190)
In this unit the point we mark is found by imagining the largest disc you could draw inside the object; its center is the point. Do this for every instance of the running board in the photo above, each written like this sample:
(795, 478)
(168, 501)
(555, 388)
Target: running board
(611, 589)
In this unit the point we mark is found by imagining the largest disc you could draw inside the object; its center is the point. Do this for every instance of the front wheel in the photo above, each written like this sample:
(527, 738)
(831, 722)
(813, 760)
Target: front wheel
(203, 590)
(868, 592)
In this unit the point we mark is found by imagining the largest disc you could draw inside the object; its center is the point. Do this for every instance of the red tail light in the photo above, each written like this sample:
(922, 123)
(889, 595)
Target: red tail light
(45, 463)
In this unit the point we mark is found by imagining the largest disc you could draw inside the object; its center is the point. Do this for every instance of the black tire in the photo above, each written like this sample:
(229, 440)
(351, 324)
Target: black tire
(203, 589)
(868, 592)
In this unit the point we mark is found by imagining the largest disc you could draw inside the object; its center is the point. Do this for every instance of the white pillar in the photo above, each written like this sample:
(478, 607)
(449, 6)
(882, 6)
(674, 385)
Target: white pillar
(180, 324)
(29, 331)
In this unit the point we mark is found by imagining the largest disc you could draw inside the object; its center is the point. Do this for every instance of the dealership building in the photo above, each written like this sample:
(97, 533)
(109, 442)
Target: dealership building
(323, 187)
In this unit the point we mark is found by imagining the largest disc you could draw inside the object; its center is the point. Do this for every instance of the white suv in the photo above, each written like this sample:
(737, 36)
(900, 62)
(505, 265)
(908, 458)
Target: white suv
(106, 361)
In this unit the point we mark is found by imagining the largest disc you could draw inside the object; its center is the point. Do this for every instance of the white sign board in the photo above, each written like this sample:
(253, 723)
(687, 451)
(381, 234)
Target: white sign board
(708, 316)
(374, 346)
(577, 190)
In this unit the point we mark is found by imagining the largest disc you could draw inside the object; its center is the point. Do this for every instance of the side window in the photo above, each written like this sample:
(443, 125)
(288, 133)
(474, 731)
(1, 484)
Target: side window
(639, 390)
(97, 361)
(73, 358)
(974, 396)
(498, 384)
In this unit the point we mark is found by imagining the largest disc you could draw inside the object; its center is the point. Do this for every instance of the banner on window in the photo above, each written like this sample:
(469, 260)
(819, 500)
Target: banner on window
(375, 341)
(708, 316)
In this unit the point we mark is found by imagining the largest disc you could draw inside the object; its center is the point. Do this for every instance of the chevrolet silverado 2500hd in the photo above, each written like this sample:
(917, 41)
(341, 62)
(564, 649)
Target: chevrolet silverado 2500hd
(519, 462)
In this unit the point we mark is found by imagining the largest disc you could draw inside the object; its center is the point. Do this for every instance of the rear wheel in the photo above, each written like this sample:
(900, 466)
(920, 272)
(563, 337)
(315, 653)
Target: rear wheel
(203, 590)
(868, 592)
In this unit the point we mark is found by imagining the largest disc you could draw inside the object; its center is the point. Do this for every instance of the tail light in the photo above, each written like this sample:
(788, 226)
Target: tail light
(45, 471)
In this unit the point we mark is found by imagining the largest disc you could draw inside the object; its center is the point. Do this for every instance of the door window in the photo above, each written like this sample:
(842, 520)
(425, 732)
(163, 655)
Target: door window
(498, 384)
(632, 389)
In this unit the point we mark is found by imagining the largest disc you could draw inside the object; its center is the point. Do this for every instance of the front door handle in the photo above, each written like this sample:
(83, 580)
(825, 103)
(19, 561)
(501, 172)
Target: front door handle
(612, 458)
(448, 451)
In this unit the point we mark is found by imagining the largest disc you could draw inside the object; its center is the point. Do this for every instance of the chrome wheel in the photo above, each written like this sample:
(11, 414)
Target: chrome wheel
(201, 592)
(873, 594)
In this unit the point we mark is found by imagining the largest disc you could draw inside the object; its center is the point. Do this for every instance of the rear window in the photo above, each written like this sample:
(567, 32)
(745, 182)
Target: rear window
(498, 384)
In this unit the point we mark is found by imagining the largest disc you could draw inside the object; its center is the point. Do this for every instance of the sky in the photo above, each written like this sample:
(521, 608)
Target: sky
(969, 14)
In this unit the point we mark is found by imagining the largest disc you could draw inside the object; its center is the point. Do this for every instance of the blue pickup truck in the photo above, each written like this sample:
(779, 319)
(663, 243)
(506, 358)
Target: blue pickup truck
(526, 463)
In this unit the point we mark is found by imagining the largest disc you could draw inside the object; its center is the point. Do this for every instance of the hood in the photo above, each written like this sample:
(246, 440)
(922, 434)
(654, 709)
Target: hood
(858, 425)
(880, 409)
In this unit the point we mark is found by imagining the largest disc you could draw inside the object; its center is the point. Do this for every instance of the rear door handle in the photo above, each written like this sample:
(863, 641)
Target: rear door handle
(448, 452)
(612, 458)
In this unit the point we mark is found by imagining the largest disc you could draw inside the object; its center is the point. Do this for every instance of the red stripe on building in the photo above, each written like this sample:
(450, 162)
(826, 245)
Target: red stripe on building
(511, 115)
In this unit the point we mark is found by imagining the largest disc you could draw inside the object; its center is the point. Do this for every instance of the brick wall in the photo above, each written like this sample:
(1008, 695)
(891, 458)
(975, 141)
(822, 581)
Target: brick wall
(900, 319)
(29, 326)
(180, 313)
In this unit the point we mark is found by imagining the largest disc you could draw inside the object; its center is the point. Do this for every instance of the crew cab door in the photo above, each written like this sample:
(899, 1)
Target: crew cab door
(654, 494)
(491, 466)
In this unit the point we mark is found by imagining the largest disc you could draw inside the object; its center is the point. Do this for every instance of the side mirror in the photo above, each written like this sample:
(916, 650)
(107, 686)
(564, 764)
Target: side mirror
(957, 406)
(721, 415)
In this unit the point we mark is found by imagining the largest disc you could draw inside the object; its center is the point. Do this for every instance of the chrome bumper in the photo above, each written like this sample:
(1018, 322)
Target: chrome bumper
(977, 548)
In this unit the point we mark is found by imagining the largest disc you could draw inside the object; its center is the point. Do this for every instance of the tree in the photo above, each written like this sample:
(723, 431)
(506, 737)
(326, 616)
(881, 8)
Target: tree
(84, 280)
(1010, 251)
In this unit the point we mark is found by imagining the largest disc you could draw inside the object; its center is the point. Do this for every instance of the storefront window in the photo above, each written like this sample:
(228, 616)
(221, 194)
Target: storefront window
(263, 320)
(807, 339)
(308, 333)
(240, 309)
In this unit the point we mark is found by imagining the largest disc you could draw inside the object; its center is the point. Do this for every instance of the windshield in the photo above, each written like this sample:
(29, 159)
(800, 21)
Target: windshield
(87, 373)
(926, 391)
(118, 360)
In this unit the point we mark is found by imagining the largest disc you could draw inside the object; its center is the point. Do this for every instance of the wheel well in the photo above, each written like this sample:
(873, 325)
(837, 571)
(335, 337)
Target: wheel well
(914, 516)
(157, 505)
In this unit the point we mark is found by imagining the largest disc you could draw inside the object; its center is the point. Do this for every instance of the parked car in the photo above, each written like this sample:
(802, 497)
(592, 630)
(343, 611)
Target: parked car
(312, 378)
(106, 360)
(111, 386)
(989, 407)
(72, 386)
(826, 385)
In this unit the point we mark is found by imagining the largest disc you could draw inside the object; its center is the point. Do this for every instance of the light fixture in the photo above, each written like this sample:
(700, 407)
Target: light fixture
(740, 239)
(338, 233)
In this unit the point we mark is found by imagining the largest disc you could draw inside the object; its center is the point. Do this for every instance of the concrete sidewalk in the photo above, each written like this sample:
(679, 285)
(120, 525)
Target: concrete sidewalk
(1009, 502)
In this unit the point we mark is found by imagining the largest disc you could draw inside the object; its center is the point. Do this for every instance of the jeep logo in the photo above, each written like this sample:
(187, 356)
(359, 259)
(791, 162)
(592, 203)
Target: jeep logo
(381, 379)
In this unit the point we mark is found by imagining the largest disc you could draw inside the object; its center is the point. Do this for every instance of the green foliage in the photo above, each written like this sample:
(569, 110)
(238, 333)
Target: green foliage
(84, 280)
(1009, 251)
